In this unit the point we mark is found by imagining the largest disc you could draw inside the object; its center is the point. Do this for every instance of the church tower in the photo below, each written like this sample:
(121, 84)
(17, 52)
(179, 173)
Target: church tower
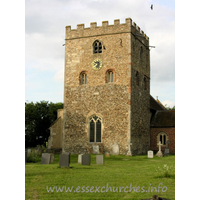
(106, 89)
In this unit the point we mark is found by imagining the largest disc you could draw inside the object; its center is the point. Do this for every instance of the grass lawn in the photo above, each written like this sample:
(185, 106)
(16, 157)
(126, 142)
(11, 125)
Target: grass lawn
(118, 173)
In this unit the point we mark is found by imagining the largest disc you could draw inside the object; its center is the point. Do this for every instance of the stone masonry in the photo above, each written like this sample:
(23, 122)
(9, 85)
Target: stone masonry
(122, 105)
(56, 130)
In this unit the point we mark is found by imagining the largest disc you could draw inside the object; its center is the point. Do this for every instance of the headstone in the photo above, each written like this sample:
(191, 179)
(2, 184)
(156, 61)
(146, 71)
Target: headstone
(107, 154)
(67, 153)
(115, 149)
(46, 158)
(64, 160)
(167, 152)
(100, 159)
(95, 149)
(80, 158)
(150, 154)
(85, 159)
(159, 153)
(52, 158)
(25, 156)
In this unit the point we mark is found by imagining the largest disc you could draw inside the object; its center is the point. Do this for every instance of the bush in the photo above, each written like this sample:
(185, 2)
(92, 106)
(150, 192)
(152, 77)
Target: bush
(34, 157)
(166, 171)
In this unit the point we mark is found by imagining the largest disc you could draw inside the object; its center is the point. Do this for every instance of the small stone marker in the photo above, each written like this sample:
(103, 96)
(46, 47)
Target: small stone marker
(159, 153)
(80, 158)
(95, 149)
(85, 159)
(64, 160)
(100, 159)
(115, 149)
(52, 158)
(46, 158)
(167, 152)
(150, 154)
(107, 154)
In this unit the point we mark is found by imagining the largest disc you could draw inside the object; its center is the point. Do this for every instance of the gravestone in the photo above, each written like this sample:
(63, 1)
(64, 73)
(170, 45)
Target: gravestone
(107, 154)
(95, 149)
(67, 153)
(25, 156)
(80, 158)
(159, 153)
(52, 158)
(150, 154)
(167, 152)
(46, 158)
(64, 160)
(100, 159)
(85, 159)
(115, 149)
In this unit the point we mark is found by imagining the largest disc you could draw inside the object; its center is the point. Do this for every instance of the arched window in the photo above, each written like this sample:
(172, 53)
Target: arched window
(162, 137)
(145, 83)
(137, 78)
(97, 46)
(83, 78)
(95, 127)
(109, 76)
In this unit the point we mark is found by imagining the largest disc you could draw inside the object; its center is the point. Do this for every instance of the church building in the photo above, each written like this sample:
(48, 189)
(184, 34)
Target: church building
(107, 99)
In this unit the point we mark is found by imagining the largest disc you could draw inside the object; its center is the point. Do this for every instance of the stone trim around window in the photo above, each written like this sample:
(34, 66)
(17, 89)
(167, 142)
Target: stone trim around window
(162, 137)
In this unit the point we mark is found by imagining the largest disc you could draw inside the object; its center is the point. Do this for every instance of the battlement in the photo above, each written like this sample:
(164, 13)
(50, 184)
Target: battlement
(105, 29)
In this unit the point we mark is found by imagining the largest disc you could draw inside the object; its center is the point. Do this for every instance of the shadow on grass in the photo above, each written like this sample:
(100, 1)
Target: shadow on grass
(172, 176)
(72, 167)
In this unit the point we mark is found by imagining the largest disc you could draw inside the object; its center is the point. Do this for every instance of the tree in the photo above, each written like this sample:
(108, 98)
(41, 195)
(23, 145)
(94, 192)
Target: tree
(38, 118)
(169, 108)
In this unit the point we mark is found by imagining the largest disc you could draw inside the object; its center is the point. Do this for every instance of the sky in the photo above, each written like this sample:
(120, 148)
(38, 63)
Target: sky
(45, 23)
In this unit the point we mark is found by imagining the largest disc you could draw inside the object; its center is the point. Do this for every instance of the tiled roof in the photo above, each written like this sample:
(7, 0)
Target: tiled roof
(163, 118)
(156, 105)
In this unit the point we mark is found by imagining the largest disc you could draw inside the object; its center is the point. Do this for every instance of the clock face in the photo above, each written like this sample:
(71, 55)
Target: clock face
(97, 64)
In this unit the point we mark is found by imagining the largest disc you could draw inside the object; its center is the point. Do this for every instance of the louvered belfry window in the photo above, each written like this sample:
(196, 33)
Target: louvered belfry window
(97, 47)
(95, 129)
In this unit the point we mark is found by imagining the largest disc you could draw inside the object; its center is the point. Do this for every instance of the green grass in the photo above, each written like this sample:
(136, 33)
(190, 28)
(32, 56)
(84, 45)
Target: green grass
(118, 171)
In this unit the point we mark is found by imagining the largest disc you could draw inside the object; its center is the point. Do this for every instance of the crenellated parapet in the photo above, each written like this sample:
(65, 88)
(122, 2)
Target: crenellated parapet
(105, 29)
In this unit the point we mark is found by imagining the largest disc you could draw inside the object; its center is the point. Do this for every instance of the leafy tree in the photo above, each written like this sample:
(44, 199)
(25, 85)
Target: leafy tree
(38, 118)
(169, 108)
